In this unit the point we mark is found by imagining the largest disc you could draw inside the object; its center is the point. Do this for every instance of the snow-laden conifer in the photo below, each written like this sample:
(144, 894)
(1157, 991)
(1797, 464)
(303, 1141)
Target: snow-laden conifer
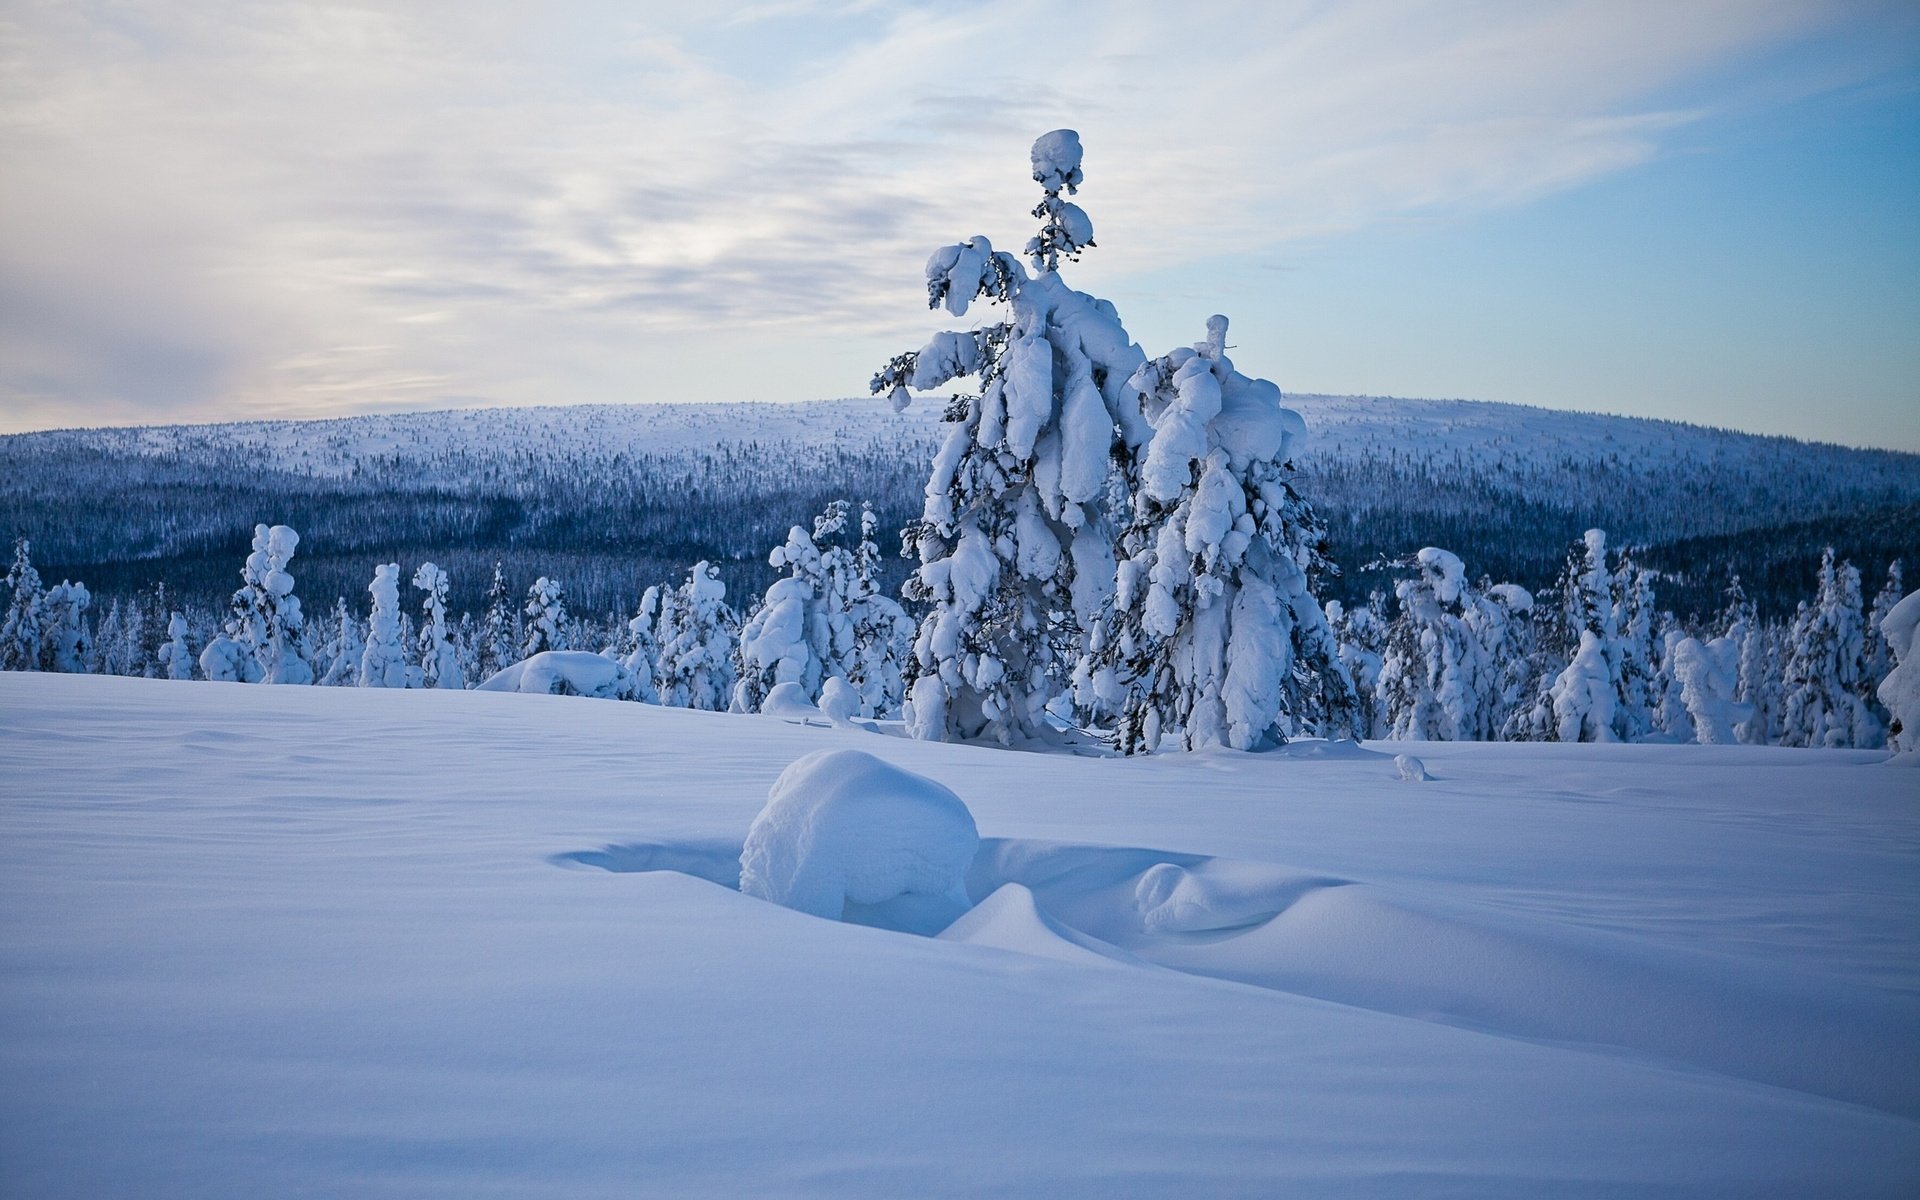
(439, 661)
(499, 636)
(546, 613)
(1442, 678)
(67, 641)
(176, 656)
(344, 647)
(696, 631)
(1825, 664)
(1213, 633)
(1582, 697)
(1709, 676)
(640, 649)
(1900, 690)
(383, 660)
(1361, 634)
(23, 635)
(1015, 542)
(267, 624)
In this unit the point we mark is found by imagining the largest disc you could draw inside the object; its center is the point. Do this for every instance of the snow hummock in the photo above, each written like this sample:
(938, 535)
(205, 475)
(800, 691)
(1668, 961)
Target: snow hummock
(564, 673)
(843, 830)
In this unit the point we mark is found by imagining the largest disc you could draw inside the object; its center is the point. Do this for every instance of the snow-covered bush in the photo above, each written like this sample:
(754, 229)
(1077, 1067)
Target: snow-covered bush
(439, 661)
(176, 657)
(1825, 666)
(1212, 630)
(1900, 690)
(844, 832)
(22, 637)
(566, 673)
(383, 661)
(1015, 544)
(1709, 677)
(67, 642)
(546, 613)
(696, 632)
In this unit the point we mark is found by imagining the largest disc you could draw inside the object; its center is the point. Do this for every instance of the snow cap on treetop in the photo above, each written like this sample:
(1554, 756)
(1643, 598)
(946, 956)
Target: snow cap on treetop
(1056, 161)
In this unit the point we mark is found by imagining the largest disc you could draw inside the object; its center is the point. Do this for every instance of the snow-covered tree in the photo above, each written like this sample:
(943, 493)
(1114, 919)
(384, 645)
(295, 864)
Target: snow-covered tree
(22, 636)
(439, 661)
(1709, 676)
(882, 632)
(696, 631)
(68, 643)
(826, 619)
(1879, 657)
(1442, 678)
(267, 624)
(1758, 668)
(383, 660)
(119, 643)
(639, 651)
(1583, 695)
(1590, 600)
(1361, 634)
(1825, 665)
(344, 647)
(1900, 690)
(1667, 691)
(1015, 543)
(1635, 654)
(546, 612)
(499, 628)
(176, 656)
(1213, 633)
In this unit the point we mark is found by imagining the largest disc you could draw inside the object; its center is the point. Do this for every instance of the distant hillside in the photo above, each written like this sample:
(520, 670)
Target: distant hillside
(614, 497)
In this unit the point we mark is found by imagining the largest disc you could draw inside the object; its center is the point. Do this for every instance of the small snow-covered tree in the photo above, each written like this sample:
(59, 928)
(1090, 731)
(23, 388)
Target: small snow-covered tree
(267, 624)
(1015, 543)
(1900, 690)
(882, 633)
(23, 636)
(1583, 695)
(546, 612)
(175, 655)
(68, 643)
(640, 650)
(1635, 653)
(383, 660)
(344, 647)
(1213, 632)
(696, 631)
(439, 661)
(1361, 634)
(1879, 659)
(1826, 653)
(1443, 677)
(499, 628)
(1709, 676)
(1672, 717)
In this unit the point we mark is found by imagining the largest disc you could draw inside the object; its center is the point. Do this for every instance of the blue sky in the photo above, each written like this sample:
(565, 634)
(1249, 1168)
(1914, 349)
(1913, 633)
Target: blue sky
(1708, 212)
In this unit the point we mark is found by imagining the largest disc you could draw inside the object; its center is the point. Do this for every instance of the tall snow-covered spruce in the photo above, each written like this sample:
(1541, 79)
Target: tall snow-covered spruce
(1076, 450)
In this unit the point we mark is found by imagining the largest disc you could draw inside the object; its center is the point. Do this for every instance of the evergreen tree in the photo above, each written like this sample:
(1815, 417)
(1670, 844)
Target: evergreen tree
(1825, 665)
(546, 612)
(267, 624)
(345, 647)
(1015, 541)
(383, 660)
(67, 642)
(1361, 634)
(1213, 631)
(175, 655)
(697, 632)
(499, 628)
(22, 636)
(439, 662)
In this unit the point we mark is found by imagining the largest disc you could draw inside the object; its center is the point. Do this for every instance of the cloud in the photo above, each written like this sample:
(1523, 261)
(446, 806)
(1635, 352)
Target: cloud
(220, 210)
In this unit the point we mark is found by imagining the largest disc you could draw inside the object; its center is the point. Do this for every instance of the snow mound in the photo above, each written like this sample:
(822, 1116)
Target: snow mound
(1011, 920)
(564, 673)
(847, 836)
(1411, 769)
(788, 699)
(1213, 895)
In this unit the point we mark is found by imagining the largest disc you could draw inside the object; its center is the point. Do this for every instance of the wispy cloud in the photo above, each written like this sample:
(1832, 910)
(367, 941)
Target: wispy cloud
(229, 208)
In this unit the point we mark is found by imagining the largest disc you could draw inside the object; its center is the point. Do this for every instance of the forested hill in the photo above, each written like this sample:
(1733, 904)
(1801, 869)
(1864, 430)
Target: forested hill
(613, 497)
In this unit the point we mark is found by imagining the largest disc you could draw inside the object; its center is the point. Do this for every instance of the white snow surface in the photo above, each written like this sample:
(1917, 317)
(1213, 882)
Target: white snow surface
(411, 943)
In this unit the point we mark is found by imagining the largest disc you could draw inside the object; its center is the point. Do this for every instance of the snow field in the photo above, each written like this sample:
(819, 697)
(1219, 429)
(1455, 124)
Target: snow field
(319, 942)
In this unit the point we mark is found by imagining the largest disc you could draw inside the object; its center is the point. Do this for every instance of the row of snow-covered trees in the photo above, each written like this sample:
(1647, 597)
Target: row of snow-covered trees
(1594, 658)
